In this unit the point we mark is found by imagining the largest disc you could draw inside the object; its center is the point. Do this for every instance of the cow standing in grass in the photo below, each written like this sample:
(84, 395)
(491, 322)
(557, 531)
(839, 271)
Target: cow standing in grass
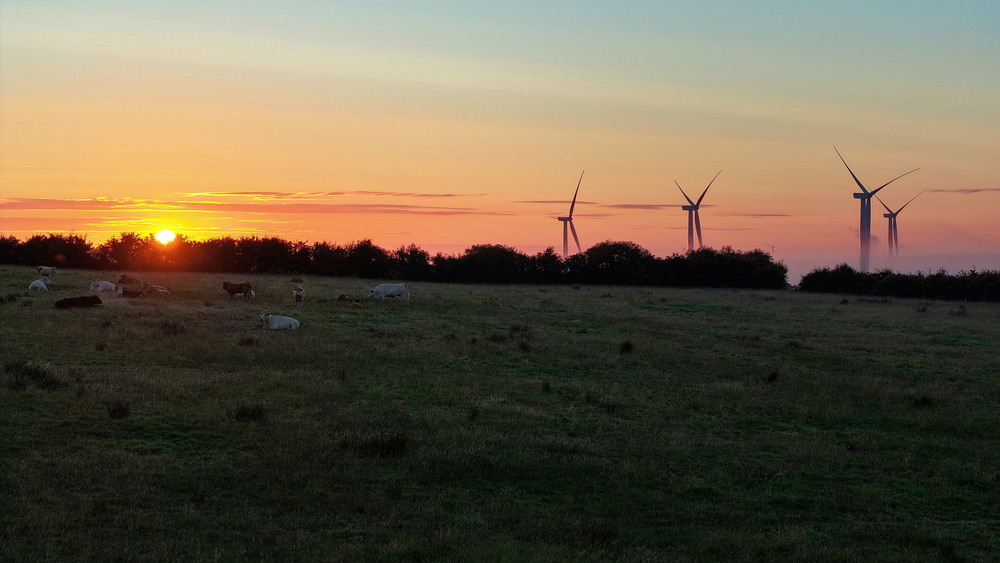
(238, 287)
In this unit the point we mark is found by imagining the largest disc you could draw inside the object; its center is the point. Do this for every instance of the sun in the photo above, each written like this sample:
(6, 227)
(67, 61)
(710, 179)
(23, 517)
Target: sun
(165, 236)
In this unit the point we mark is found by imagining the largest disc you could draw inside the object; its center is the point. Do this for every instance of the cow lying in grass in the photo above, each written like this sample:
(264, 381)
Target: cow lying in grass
(78, 302)
(238, 287)
(101, 285)
(46, 270)
(129, 293)
(41, 283)
(153, 290)
(275, 322)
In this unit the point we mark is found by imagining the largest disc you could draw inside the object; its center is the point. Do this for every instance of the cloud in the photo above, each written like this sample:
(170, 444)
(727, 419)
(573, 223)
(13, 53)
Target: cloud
(271, 195)
(752, 215)
(261, 207)
(965, 190)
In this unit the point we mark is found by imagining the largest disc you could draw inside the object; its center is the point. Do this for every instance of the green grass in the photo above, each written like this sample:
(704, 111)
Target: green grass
(520, 423)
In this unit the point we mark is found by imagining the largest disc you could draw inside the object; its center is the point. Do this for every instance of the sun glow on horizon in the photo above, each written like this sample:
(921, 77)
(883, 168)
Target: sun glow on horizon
(166, 236)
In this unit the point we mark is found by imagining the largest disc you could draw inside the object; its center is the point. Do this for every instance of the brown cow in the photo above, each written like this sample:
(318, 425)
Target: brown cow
(238, 287)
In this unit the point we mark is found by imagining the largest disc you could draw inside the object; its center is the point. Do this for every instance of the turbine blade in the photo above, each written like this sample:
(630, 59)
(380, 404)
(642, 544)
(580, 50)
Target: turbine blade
(697, 227)
(894, 179)
(682, 192)
(884, 205)
(572, 205)
(853, 175)
(575, 238)
(708, 186)
(911, 199)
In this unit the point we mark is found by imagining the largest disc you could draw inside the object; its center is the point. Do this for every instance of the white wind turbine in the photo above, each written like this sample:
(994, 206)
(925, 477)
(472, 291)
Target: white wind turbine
(567, 222)
(865, 195)
(694, 220)
(893, 227)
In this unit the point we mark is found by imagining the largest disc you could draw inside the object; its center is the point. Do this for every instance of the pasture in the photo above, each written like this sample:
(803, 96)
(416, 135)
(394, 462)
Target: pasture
(496, 423)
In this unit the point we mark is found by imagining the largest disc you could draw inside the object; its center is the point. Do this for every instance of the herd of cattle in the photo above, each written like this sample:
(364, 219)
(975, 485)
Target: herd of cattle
(143, 289)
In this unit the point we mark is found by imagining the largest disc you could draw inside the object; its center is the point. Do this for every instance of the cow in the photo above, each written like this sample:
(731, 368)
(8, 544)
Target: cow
(150, 289)
(344, 298)
(101, 285)
(275, 322)
(46, 270)
(41, 284)
(130, 293)
(128, 280)
(383, 290)
(298, 294)
(78, 302)
(238, 287)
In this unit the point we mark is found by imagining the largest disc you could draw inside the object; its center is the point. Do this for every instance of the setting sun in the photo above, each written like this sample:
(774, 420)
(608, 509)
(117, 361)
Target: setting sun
(165, 236)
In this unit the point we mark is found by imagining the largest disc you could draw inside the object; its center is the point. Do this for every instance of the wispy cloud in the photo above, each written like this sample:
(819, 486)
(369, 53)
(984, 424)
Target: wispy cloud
(965, 190)
(272, 195)
(269, 207)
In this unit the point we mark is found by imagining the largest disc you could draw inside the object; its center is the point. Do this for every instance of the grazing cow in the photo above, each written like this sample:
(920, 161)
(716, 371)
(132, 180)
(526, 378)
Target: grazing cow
(298, 293)
(383, 290)
(150, 289)
(81, 302)
(128, 280)
(275, 322)
(41, 283)
(101, 285)
(131, 294)
(46, 270)
(238, 287)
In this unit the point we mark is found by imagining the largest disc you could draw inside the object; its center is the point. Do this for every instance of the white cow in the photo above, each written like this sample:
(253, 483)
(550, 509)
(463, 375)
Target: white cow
(46, 270)
(383, 290)
(101, 285)
(41, 283)
(275, 322)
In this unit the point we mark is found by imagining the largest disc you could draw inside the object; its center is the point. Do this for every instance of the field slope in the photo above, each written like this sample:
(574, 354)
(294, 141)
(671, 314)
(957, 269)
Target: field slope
(500, 423)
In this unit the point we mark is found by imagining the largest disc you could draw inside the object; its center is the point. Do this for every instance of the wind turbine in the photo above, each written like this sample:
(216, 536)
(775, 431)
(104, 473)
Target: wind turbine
(893, 227)
(694, 220)
(567, 222)
(865, 195)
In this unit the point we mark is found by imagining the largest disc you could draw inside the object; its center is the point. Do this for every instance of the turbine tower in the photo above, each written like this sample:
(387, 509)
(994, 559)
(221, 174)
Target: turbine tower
(865, 195)
(694, 220)
(893, 227)
(567, 222)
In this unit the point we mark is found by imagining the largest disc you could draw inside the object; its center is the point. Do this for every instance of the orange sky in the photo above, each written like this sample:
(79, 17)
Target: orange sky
(459, 124)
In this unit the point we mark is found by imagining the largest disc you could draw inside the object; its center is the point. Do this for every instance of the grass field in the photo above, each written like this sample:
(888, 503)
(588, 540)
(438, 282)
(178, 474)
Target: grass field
(495, 423)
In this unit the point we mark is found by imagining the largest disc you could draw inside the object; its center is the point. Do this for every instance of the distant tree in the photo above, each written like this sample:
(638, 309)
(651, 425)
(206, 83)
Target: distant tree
(411, 263)
(69, 251)
(127, 251)
(619, 262)
(365, 259)
(493, 263)
(329, 260)
(9, 250)
(546, 267)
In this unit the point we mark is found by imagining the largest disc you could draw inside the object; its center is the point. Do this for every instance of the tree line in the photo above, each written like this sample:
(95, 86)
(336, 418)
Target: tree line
(609, 262)
(969, 285)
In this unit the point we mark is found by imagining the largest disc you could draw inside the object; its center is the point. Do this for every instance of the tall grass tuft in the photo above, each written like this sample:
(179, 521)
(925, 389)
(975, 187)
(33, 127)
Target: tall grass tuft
(118, 409)
(246, 411)
(20, 375)
(376, 444)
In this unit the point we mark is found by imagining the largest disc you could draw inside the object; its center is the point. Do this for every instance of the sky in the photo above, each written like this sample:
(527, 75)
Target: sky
(448, 124)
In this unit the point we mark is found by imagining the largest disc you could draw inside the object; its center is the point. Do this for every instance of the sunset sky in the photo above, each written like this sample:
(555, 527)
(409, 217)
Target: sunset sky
(447, 124)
